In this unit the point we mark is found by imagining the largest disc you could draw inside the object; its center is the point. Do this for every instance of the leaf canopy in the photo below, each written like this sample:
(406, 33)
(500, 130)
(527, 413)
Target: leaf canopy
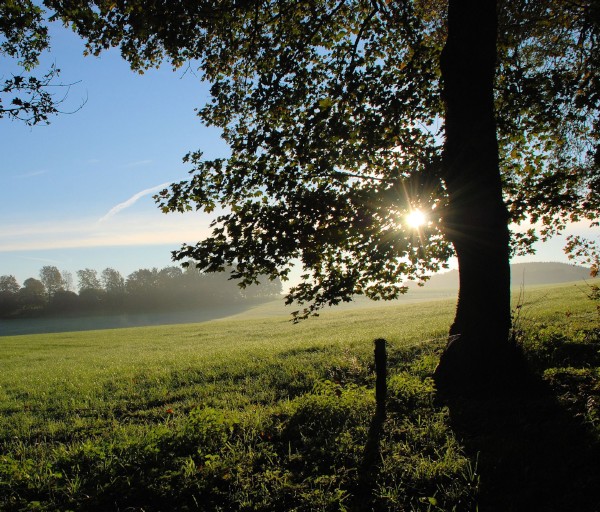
(333, 114)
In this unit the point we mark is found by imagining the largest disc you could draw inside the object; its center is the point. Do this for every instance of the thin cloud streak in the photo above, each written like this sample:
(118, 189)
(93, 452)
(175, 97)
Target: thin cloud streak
(148, 229)
(131, 201)
(138, 163)
(43, 260)
(32, 174)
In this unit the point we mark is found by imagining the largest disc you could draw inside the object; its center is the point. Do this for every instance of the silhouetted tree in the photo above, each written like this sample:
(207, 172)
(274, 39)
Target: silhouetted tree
(23, 37)
(52, 279)
(32, 296)
(88, 280)
(112, 281)
(9, 284)
(142, 281)
(64, 302)
(9, 288)
(67, 279)
(142, 288)
(91, 294)
(170, 288)
(342, 117)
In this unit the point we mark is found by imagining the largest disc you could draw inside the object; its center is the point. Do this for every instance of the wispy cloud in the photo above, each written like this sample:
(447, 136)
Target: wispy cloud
(148, 228)
(43, 260)
(131, 201)
(138, 163)
(32, 174)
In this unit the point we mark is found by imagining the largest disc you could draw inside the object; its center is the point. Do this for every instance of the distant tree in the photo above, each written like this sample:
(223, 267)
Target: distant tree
(94, 300)
(266, 288)
(142, 289)
(52, 279)
(112, 281)
(88, 280)
(9, 288)
(33, 294)
(64, 302)
(170, 276)
(67, 278)
(142, 281)
(9, 284)
(91, 293)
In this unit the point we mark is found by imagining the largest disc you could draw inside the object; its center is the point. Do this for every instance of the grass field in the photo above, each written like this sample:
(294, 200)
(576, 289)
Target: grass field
(253, 412)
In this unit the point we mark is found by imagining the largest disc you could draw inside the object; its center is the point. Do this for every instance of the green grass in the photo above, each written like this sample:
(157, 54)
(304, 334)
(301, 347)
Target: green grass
(255, 413)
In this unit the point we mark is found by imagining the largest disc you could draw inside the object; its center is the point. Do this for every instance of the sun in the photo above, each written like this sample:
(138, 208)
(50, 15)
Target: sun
(416, 219)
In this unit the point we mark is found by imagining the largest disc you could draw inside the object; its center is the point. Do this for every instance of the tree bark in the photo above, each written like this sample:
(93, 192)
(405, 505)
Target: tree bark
(476, 221)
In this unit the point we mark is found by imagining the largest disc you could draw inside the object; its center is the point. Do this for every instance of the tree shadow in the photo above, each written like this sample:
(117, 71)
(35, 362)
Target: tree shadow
(532, 454)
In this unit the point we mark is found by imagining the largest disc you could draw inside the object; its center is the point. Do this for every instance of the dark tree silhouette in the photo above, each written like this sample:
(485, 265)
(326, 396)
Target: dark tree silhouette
(343, 116)
(23, 37)
(145, 290)
(32, 296)
(52, 279)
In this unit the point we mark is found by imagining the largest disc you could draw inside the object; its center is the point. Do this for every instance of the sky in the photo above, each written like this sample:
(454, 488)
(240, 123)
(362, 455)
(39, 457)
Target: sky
(78, 193)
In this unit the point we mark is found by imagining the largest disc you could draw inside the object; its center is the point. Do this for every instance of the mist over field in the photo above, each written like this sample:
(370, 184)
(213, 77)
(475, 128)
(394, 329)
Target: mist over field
(173, 311)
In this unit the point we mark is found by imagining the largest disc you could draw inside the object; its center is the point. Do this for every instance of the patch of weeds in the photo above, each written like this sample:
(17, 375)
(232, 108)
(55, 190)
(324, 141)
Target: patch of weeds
(408, 392)
(579, 390)
(350, 369)
(319, 422)
(558, 347)
(423, 465)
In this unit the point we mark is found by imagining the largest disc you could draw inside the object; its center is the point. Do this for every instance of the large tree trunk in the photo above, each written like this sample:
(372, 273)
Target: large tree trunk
(476, 220)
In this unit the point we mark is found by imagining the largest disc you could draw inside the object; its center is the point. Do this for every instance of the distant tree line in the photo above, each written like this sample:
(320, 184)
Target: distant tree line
(107, 292)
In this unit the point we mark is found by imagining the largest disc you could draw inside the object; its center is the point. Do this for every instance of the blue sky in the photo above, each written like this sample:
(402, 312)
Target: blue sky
(78, 193)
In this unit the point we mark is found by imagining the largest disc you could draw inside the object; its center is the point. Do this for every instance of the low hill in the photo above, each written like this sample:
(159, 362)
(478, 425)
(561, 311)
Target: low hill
(527, 274)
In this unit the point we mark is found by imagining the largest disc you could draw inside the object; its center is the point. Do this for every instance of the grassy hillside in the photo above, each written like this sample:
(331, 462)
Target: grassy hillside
(522, 274)
(255, 413)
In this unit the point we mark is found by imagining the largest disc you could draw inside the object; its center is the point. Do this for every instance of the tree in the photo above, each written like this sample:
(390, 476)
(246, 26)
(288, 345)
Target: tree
(33, 294)
(91, 293)
(9, 288)
(344, 116)
(9, 284)
(67, 279)
(112, 281)
(23, 37)
(265, 289)
(88, 280)
(64, 302)
(52, 280)
(142, 281)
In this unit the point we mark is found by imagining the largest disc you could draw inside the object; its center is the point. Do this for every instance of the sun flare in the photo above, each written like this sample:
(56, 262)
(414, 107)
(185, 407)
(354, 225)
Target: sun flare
(416, 219)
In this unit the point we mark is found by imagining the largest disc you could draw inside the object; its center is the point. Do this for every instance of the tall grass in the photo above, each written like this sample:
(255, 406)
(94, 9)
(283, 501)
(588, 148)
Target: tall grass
(246, 413)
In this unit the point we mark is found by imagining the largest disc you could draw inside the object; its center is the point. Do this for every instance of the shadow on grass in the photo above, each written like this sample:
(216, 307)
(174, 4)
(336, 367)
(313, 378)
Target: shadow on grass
(532, 453)
(51, 324)
(369, 468)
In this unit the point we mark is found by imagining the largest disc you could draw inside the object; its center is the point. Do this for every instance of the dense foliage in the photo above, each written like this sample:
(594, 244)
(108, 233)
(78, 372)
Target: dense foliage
(335, 117)
(167, 289)
(23, 37)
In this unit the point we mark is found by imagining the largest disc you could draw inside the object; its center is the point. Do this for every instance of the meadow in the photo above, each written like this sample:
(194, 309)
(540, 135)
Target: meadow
(252, 412)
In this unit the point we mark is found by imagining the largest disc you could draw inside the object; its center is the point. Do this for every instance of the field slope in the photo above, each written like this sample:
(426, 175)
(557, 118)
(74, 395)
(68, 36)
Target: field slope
(255, 413)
